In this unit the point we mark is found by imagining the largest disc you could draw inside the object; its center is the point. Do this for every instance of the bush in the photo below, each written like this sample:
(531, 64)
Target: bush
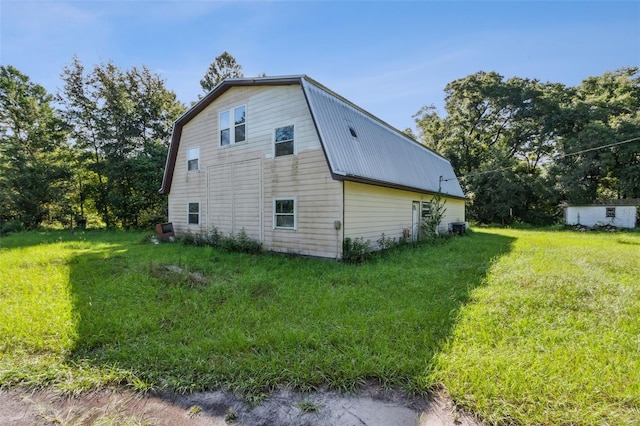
(429, 225)
(356, 250)
(244, 244)
(11, 227)
(385, 243)
(240, 243)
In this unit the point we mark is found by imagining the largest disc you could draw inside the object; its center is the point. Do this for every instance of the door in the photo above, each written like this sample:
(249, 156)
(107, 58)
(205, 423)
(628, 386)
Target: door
(235, 198)
(247, 202)
(415, 221)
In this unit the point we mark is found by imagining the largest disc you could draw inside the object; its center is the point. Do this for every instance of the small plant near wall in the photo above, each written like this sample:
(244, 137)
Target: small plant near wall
(385, 243)
(356, 250)
(238, 243)
(430, 223)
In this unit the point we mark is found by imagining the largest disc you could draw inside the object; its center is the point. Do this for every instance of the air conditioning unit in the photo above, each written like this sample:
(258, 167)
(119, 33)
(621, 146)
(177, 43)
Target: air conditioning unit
(458, 228)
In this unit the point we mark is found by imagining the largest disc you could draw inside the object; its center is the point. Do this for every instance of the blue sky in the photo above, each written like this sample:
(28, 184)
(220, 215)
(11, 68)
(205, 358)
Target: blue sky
(389, 57)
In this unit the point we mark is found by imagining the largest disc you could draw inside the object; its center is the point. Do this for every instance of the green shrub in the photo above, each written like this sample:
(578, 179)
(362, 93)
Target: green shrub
(356, 250)
(240, 243)
(385, 243)
(11, 227)
(244, 244)
(429, 225)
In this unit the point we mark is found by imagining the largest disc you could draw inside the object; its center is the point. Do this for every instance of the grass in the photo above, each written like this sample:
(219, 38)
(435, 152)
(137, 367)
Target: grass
(520, 326)
(96, 309)
(308, 406)
(553, 337)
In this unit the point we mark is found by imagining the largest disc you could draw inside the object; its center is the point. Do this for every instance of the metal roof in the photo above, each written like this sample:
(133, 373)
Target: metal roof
(361, 147)
(358, 146)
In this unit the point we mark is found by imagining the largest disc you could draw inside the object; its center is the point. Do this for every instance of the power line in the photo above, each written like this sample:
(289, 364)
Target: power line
(596, 148)
(557, 157)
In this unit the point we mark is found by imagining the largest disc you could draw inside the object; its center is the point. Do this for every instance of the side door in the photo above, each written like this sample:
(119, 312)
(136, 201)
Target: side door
(415, 221)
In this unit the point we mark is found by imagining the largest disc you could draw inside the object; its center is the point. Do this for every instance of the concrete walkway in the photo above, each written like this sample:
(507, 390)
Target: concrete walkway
(371, 407)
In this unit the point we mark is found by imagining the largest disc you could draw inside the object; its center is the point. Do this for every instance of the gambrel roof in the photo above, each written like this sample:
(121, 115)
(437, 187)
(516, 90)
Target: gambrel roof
(357, 145)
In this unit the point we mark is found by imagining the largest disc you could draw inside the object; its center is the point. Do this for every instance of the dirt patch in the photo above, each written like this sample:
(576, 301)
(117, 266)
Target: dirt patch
(373, 406)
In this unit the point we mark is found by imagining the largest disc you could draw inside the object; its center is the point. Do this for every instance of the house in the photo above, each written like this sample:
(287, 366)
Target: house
(618, 213)
(300, 168)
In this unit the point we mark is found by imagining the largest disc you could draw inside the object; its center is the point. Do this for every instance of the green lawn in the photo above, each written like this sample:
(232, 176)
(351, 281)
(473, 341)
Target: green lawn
(518, 326)
(553, 335)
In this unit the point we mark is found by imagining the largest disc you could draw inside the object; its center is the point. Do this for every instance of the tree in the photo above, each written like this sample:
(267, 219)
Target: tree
(81, 107)
(224, 66)
(496, 126)
(602, 111)
(33, 170)
(122, 122)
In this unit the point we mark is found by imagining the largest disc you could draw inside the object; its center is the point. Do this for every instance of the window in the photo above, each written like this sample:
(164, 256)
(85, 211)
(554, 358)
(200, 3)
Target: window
(284, 213)
(284, 141)
(233, 132)
(611, 212)
(225, 132)
(239, 123)
(193, 155)
(426, 209)
(194, 214)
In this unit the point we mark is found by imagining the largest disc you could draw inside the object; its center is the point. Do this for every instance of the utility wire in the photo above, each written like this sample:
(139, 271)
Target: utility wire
(557, 157)
(595, 148)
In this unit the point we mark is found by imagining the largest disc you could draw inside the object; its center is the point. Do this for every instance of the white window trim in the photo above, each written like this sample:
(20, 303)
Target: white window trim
(199, 213)
(198, 158)
(295, 139)
(295, 213)
(232, 128)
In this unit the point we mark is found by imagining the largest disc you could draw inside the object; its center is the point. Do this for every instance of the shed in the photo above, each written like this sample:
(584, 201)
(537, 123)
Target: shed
(618, 213)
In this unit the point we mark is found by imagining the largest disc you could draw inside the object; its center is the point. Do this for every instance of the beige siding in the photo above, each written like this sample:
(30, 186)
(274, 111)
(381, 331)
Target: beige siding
(236, 184)
(235, 198)
(370, 211)
(246, 187)
(220, 198)
(305, 178)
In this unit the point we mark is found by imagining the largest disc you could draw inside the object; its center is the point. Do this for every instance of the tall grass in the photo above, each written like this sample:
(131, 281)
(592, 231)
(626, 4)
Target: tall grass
(118, 315)
(554, 335)
(522, 326)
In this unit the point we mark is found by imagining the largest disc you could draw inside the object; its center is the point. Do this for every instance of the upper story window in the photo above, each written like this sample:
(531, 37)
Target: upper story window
(233, 125)
(284, 141)
(193, 159)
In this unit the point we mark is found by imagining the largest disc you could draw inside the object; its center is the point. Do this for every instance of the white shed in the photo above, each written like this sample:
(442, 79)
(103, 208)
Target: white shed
(618, 214)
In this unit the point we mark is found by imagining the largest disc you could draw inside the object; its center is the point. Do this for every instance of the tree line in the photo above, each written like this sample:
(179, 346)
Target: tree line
(520, 147)
(97, 148)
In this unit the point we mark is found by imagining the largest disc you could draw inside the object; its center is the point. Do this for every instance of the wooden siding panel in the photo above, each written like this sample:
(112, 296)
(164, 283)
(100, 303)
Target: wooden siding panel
(246, 187)
(220, 198)
(306, 178)
(372, 210)
(242, 180)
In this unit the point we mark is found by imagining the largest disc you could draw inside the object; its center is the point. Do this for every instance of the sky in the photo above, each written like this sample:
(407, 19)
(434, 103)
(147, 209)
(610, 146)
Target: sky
(388, 57)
